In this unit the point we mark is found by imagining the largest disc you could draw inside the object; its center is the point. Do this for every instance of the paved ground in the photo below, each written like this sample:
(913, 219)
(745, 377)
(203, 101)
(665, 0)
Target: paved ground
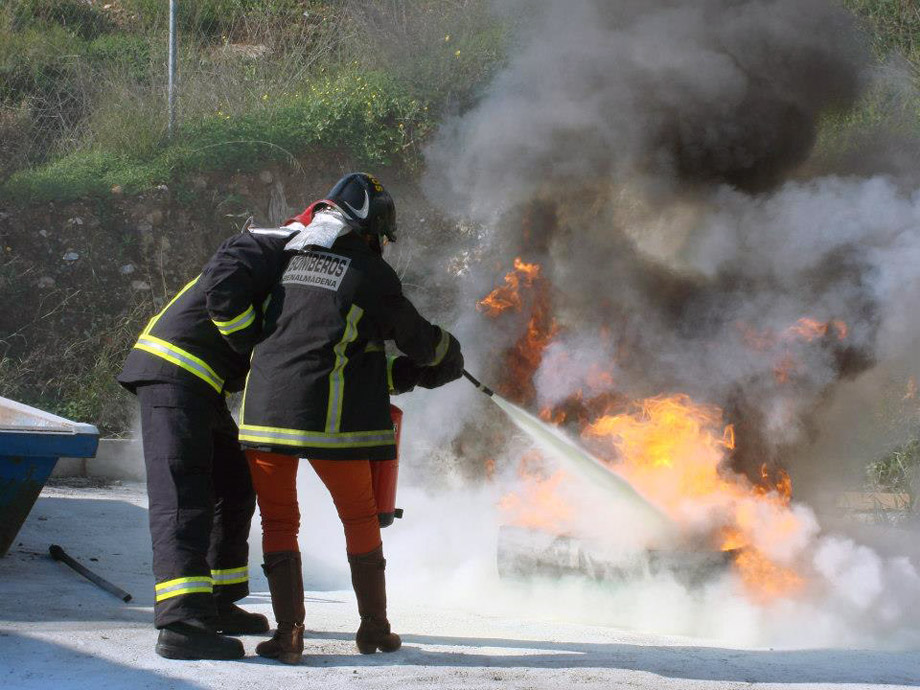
(58, 631)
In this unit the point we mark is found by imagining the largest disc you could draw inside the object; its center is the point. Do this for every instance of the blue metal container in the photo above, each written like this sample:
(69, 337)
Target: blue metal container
(31, 441)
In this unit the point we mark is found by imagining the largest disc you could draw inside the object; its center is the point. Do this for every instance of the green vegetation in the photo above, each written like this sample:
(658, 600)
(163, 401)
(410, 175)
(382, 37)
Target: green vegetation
(366, 114)
(82, 102)
(897, 472)
(892, 29)
(259, 82)
(83, 19)
(893, 26)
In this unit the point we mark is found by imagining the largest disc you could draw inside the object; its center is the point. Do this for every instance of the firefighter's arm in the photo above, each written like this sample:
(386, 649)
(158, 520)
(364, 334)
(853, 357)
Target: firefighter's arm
(234, 280)
(448, 368)
(433, 350)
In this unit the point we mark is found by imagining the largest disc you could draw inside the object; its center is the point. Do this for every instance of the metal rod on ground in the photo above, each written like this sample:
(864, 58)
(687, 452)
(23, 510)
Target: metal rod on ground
(472, 379)
(172, 67)
(58, 554)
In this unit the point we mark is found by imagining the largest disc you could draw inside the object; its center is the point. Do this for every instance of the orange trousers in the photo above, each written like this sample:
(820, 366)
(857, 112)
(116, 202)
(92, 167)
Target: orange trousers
(274, 476)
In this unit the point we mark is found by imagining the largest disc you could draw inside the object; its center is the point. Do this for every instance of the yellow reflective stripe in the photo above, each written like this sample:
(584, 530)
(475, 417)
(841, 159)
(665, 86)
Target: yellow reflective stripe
(231, 576)
(337, 375)
(236, 324)
(185, 590)
(183, 585)
(246, 390)
(375, 346)
(390, 386)
(176, 355)
(153, 321)
(181, 581)
(181, 358)
(299, 438)
(441, 350)
(268, 300)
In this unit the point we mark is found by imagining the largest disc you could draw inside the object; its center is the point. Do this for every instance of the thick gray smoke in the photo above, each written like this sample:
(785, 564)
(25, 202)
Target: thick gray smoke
(652, 141)
(648, 154)
(697, 90)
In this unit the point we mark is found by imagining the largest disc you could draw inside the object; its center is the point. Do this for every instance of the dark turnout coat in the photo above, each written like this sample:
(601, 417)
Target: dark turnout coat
(320, 379)
(204, 335)
(198, 481)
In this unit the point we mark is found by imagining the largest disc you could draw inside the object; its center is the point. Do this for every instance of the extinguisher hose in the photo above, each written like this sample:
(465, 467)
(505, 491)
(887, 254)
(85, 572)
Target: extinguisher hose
(472, 379)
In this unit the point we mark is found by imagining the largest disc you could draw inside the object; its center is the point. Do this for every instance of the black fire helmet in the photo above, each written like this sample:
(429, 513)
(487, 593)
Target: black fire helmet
(366, 205)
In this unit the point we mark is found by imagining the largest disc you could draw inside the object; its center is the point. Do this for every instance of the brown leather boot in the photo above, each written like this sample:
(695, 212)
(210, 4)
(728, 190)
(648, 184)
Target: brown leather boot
(285, 582)
(367, 578)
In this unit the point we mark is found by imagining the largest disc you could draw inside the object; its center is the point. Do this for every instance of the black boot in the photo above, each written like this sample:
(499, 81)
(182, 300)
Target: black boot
(367, 578)
(232, 620)
(285, 582)
(196, 639)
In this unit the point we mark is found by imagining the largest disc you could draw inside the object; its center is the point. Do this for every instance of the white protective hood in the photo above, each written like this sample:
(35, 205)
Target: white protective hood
(326, 227)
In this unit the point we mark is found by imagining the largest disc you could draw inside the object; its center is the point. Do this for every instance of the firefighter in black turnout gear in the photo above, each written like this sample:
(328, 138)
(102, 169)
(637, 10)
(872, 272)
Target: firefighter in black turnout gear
(201, 499)
(319, 389)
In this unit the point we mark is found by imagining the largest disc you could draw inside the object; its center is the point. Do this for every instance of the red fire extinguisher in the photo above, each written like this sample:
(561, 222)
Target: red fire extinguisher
(384, 475)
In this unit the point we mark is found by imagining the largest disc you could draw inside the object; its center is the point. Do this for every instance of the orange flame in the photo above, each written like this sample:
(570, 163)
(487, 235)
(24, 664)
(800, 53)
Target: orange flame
(508, 296)
(765, 580)
(524, 358)
(674, 451)
(811, 330)
(668, 445)
(754, 339)
(539, 504)
(807, 330)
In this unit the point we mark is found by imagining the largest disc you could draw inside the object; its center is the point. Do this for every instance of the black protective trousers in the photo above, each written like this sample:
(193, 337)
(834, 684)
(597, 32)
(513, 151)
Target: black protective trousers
(201, 501)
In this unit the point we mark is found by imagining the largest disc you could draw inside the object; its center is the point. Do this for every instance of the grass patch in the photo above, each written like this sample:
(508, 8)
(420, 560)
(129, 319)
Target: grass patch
(215, 19)
(36, 60)
(369, 115)
(897, 471)
(258, 82)
(893, 26)
(78, 17)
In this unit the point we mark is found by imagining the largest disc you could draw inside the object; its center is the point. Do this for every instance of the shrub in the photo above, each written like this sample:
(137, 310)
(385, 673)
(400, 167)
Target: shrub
(369, 115)
(892, 26)
(76, 380)
(210, 19)
(897, 471)
(330, 77)
(444, 52)
(15, 137)
(80, 174)
(35, 60)
(77, 16)
(127, 55)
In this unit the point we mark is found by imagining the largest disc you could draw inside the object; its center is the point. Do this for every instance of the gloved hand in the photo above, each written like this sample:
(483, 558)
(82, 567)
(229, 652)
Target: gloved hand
(243, 341)
(448, 369)
(404, 375)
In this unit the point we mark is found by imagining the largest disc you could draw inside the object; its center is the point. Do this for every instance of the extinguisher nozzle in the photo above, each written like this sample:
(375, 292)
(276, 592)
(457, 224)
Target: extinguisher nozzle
(472, 379)
(398, 513)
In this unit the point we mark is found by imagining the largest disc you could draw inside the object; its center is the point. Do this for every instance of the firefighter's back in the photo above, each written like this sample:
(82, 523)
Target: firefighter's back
(319, 377)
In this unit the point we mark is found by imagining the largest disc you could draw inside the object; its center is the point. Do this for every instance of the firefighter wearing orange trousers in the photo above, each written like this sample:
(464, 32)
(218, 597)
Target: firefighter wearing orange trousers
(319, 388)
